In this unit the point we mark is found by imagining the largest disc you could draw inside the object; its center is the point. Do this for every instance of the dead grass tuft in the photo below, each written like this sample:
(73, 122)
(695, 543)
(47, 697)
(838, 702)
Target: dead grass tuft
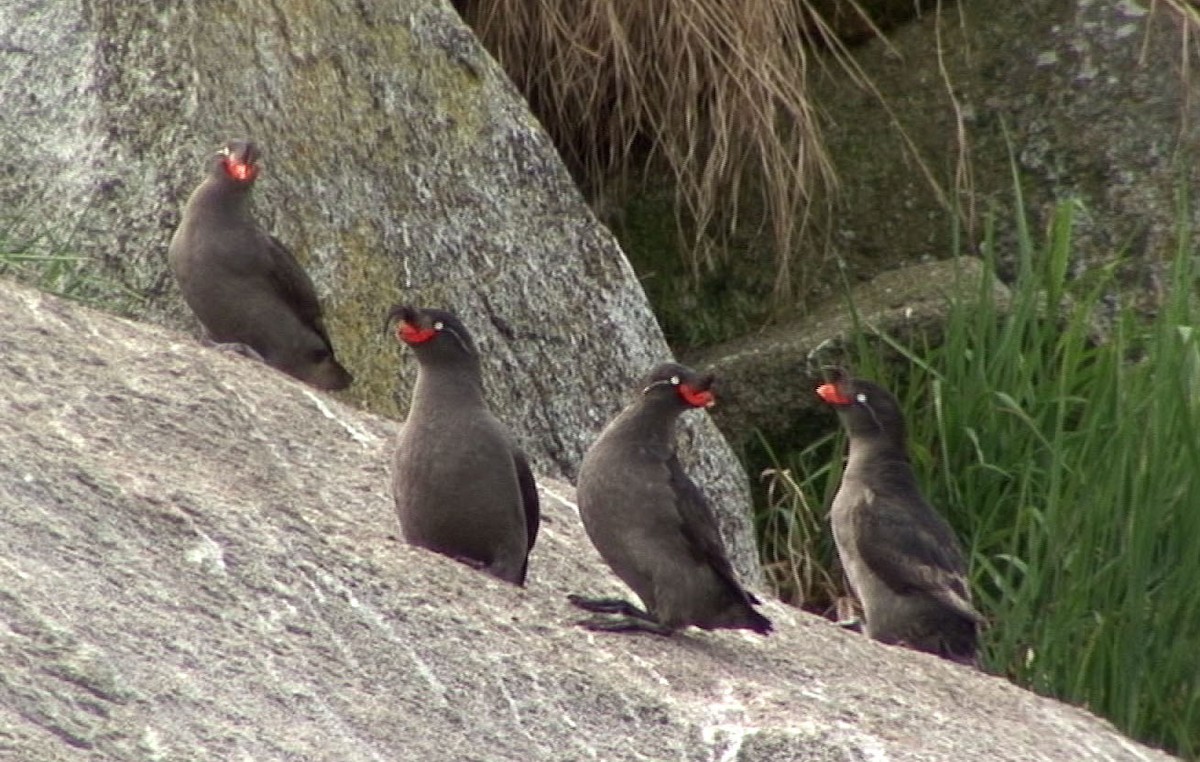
(712, 90)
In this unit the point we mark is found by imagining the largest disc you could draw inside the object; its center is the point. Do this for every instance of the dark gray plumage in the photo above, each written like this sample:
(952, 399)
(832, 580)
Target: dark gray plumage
(900, 556)
(461, 485)
(652, 524)
(243, 284)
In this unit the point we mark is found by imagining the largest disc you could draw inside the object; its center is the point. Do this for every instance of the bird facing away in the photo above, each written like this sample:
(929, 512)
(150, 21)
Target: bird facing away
(653, 525)
(461, 485)
(245, 286)
(900, 556)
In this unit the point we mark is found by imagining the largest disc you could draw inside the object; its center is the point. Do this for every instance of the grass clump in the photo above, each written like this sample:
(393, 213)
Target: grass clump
(797, 550)
(46, 257)
(1068, 460)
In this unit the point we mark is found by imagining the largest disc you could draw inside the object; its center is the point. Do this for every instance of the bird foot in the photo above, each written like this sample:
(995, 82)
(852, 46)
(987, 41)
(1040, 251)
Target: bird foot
(625, 624)
(237, 348)
(970, 659)
(846, 614)
(610, 606)
(629, 618)
(474, 563)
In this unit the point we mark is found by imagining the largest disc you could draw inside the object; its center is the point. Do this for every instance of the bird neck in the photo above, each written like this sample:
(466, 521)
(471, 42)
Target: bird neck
(878, 459)
(649, 422)
(457, 385)
(217, 198)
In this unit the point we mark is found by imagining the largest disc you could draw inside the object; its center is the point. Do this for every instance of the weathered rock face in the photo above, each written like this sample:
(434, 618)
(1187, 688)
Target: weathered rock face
(768, 379)
(861, 19)
(400, 165)
(1095, 101)
(200, 563)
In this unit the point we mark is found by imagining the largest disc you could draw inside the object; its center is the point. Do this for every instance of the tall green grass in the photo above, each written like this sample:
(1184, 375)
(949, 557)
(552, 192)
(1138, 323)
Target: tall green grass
(47, 256)
(1060, 435)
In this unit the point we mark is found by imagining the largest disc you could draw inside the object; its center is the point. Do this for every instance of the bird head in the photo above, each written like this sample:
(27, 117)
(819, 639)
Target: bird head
(238, 161)
(431, 333)
(681, 383)
(863, 406)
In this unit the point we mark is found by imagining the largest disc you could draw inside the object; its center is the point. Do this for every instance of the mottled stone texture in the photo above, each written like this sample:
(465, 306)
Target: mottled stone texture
(400, 165)
(1093, 101)
(199, 563)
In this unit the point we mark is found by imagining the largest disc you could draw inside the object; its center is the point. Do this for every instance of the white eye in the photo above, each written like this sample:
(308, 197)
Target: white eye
(224, 151)
(438, 326)
(860, 398)
(674, 380)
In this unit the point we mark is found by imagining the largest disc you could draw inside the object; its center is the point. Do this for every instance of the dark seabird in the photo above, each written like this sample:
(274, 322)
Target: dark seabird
(900, 556)
(653, 525)
(462, 486)
(246, 288)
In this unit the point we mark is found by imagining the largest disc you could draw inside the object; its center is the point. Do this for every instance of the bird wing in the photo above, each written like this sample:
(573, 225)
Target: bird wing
(910, 556)
(699, 525)
(529, 497)
(293, 283)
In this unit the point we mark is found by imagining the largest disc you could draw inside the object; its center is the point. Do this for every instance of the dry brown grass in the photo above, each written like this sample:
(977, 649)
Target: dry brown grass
(1188, 13)
(714, 93)
(712, 90)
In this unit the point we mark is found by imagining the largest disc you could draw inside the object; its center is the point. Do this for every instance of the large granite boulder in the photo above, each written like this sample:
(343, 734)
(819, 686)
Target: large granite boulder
(199, 563)
(400, 165)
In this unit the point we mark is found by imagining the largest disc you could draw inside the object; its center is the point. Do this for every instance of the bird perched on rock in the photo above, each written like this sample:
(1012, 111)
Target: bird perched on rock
(244, 285)
(462, 486)
(652, 524)
(900, 556)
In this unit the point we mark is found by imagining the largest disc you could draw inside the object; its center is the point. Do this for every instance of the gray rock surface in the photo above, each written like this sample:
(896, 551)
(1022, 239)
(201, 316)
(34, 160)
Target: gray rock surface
(199, 563)
(767, 380)
(400, 165)
(1095, 101)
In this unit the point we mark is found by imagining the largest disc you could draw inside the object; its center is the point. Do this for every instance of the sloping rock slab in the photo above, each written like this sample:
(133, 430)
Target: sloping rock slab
(400, 164)
(199, 563)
